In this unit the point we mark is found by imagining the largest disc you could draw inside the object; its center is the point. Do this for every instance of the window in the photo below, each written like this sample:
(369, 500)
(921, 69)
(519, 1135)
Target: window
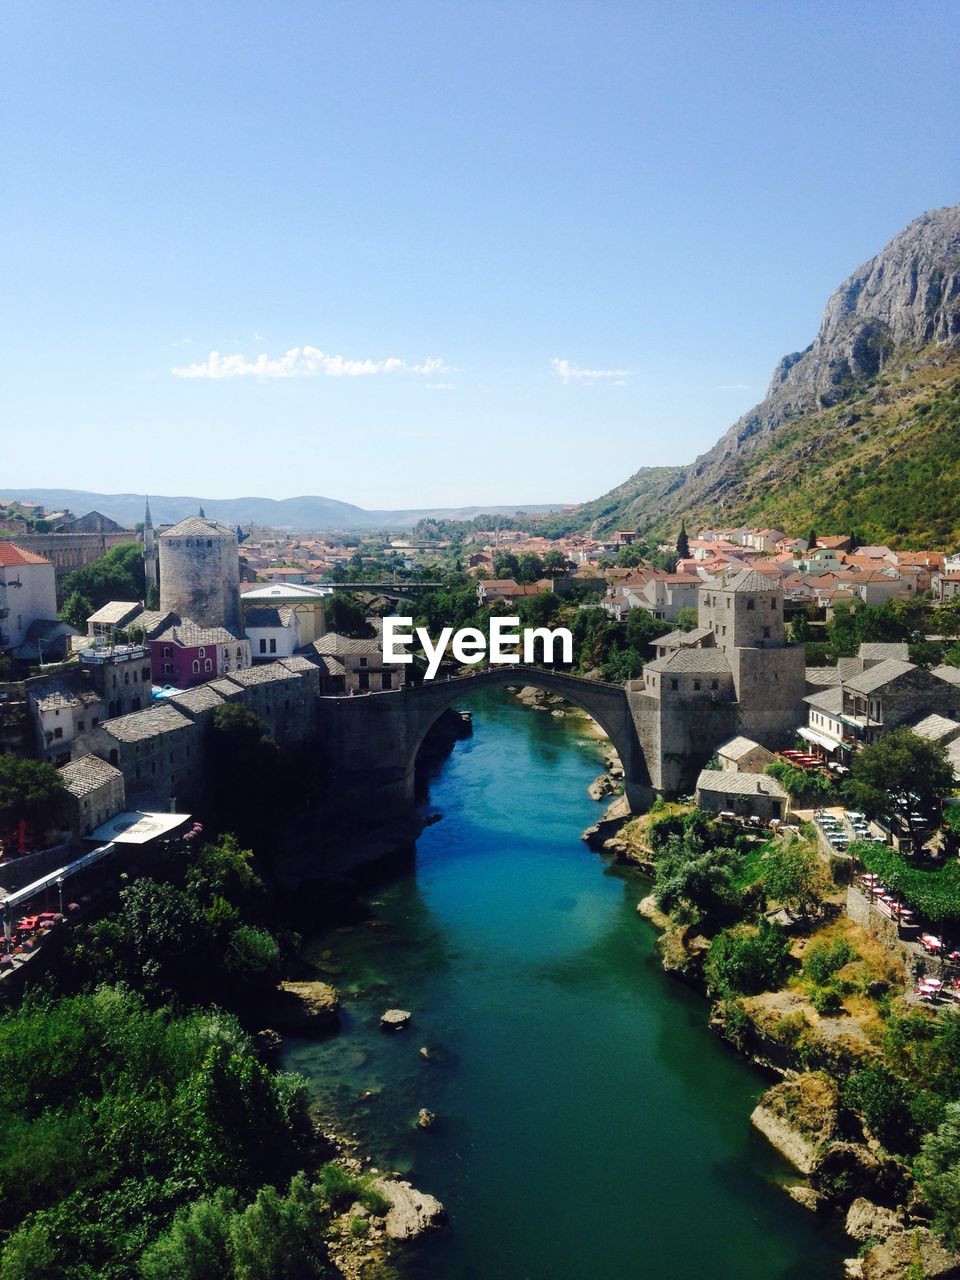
(386, 680)
(714, 684)
(58, 733)
(196, 666)
(207, 664)
(145, 674)
(766, 633)
(166, 651)
(239, 653)
(696, 684)
(126, 677)
(363, 662)
(81, 725)
(209, 542)
(773, 603)
(168, 668)
(263, 646)
(674, 683)
(273, 646)
(202, 653)
(728, 602)
(751, 603)
(364, 681)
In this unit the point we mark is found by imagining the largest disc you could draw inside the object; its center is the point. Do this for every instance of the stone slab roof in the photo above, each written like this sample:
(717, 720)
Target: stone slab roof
(726, 782)
(193, 701)
(739, 747)
(683, 639)
(883, 673)
(948, 673)
(266, 673)
(199, 527)
(82, 776)
(148, 723)
(298, 663)
(827, 700)
(822, 677)
(696, 661)
(190, 635)
(347, 647)
(880, 652)
(746, 580)
(52, 699)
(278, 616)
(224, 687)
(115, 613)
(935, 728)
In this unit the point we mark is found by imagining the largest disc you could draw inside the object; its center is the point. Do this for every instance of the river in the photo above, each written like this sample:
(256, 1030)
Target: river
(589, 1124)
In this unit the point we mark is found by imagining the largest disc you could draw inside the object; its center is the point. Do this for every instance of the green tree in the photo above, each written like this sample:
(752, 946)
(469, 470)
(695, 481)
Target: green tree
(529, 567)
(554, 562)
(746, 961)
(31, 792)
(687, 617)
(347, 616)
(793, 876)
(506, 565)
(800, 628)
(900, 772)
(117, 575)
(938, 1172)
(75, 611)
(697, 883)
(683, 542)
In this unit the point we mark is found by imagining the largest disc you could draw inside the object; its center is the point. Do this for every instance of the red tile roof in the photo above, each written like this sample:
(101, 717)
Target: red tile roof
(12, 555)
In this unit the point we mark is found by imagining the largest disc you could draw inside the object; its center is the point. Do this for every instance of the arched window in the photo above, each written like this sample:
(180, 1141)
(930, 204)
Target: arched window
(196, 666)
(208, 665)
(202, 652)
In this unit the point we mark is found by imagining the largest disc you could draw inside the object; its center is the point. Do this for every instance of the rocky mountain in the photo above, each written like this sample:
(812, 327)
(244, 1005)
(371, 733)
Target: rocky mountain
(876, 390)
(306, 513)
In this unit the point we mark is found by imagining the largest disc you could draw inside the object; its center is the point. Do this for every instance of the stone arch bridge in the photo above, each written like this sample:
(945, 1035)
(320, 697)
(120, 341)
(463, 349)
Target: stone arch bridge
(378, 735)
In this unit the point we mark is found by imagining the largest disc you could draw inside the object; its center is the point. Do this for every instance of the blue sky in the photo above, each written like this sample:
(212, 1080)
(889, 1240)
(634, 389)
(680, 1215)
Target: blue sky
(516, 250)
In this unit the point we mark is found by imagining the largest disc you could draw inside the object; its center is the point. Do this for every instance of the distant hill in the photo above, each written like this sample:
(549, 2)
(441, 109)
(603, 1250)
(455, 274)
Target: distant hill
(306, 513)
(861, 431)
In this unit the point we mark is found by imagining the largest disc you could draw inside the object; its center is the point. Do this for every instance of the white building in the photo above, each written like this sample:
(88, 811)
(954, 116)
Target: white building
(28, 594)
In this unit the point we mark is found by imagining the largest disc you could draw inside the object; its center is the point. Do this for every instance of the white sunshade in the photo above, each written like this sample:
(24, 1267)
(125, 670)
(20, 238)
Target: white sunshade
(137, 827)
(820, 739)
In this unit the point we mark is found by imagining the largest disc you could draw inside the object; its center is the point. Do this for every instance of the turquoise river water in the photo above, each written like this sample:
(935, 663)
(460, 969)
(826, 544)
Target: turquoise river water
(589, 1124)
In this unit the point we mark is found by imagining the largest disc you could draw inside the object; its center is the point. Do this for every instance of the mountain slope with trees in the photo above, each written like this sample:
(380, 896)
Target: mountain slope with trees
(858, 430)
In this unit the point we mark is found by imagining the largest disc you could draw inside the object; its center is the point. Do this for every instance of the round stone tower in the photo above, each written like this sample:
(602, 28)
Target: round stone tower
(200, 573)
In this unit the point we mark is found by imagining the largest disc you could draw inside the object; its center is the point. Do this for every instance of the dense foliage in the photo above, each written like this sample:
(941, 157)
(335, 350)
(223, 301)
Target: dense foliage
(31, 792)
(117, 575)
(935, 892)
(900, 773)
(746, 960)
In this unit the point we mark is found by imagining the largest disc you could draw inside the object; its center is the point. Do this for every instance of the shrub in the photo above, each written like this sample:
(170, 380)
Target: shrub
(745, 961)
(827, 958)
(826, 1001)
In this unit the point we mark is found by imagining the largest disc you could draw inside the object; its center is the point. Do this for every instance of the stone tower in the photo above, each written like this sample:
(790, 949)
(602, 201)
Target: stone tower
(744, 611)
(200, 573)
(149, 551)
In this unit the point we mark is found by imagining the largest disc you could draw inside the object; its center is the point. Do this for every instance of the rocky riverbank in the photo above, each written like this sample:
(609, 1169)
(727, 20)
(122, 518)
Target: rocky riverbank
(843, 1171)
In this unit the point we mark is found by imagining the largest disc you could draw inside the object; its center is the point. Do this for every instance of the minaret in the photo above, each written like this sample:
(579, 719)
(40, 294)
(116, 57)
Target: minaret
(149, 551)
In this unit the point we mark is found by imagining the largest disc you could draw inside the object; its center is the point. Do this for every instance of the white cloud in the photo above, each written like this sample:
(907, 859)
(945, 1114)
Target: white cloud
(568, 373)
(301, 362)
(182, 342)
(439, 386)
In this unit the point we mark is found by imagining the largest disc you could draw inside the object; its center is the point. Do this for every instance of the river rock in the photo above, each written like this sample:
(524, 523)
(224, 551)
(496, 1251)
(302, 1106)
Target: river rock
(425, 1118)
(615, 815)
(601, 787)
(845, 1171)
(798, 1115)
(914, 1252)
(411, 1212)
(306, 1006)
(394, 1019)
(868, 1221)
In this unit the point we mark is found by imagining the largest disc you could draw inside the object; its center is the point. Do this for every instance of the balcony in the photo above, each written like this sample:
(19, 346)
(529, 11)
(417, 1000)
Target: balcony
(102, 655)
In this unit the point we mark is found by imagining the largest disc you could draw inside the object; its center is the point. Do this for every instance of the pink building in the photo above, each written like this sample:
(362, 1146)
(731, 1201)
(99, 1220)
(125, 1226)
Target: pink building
(186, 654)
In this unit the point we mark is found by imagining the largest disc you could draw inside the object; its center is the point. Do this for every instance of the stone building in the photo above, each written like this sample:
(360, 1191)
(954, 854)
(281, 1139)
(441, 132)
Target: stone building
(95, 793)
(360, 662)
(747, 795)
(285, 700)
(185, 654)
(200, 573)
(742, 755)
(158, 750)
(305, 602)
(738, 678)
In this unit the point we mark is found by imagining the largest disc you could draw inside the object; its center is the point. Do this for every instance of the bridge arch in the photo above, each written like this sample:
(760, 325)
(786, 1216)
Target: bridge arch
(605, 703)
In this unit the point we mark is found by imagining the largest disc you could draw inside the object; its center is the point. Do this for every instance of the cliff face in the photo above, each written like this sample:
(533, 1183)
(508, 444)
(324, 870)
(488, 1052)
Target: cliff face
(900, 310)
